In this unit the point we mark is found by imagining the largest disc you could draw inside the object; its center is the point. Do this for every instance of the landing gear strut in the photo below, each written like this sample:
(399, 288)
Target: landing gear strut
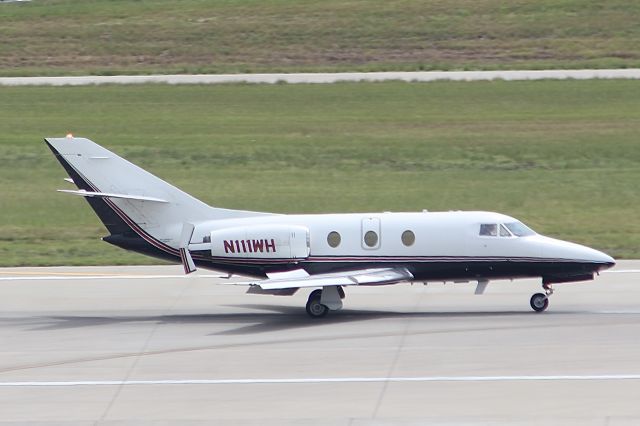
(540, 301)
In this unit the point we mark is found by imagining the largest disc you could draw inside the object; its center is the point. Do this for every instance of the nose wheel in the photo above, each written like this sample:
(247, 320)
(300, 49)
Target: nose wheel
(540, 301)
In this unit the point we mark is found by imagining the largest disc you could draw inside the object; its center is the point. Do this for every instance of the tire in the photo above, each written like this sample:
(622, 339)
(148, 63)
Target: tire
(315, 309)
(539, 302)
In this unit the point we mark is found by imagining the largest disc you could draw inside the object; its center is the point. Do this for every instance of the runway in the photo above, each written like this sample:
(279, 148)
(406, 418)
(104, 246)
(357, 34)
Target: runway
(147, 345)
(323, 78)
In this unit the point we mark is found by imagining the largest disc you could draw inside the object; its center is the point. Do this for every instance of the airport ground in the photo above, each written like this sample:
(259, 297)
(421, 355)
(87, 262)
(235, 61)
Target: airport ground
(136, 345)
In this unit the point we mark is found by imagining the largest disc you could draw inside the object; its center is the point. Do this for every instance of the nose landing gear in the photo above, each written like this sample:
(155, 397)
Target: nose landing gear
(540, 301)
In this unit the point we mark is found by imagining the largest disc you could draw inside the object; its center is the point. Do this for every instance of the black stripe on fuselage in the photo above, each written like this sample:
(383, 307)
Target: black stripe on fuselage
(468, 268)
(435, 268)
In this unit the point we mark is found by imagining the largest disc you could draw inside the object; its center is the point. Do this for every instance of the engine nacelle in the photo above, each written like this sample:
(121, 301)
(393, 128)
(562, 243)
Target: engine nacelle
(261, 242)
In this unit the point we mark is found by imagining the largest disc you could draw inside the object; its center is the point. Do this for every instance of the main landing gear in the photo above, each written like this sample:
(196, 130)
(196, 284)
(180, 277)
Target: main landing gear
(315, 309)
(540, 301)
(320, 302)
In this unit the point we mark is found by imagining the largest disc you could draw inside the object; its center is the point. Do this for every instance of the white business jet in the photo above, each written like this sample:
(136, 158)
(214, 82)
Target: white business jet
(322, 251)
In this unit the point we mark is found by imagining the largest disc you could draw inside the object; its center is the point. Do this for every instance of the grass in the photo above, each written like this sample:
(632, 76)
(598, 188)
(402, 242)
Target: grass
(64, 37)
(560, 155)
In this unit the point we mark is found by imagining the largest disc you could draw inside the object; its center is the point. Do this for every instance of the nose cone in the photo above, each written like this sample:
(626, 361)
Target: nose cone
(597, 259)
(566, 250)
(606, 260)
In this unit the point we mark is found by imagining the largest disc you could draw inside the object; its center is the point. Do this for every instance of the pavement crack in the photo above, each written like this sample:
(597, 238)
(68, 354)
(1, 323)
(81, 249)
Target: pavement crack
(142, 352)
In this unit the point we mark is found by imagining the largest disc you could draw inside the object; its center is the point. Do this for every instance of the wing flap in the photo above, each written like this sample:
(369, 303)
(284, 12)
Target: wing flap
(298, 279)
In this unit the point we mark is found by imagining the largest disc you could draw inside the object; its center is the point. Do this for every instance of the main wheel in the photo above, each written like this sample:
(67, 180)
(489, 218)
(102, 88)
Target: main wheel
(539, 302)
(315, 309)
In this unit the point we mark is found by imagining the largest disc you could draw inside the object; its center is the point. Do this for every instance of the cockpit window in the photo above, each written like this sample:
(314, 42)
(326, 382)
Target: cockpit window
(504, 232)
(519, 229)
(489, 230)
(513, 229)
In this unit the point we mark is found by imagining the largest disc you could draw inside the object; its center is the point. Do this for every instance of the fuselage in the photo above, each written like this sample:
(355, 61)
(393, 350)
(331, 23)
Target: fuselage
(432, 245)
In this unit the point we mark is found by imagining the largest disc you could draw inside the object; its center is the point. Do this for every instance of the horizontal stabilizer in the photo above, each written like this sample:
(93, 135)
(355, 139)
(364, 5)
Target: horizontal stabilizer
(84, 193)
(299, 278)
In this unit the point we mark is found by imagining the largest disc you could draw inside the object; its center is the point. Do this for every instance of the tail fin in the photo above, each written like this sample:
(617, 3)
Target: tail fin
(130, 201)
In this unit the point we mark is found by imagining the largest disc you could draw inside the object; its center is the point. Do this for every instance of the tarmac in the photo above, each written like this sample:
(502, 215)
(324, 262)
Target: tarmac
(147, 345)
(306, 78)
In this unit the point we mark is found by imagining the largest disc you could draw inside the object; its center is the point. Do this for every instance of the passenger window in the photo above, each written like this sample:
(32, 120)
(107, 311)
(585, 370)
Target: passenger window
(408, 238)
(333, 239)
(371, 239)
(489, 230)
(504, 232)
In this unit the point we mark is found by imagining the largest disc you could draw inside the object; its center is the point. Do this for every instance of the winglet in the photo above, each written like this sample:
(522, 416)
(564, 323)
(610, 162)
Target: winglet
(185, 255)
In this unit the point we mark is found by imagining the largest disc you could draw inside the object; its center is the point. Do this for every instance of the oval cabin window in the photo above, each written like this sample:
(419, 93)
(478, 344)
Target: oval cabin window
(408, 238)
(371, 239)
(333, 239)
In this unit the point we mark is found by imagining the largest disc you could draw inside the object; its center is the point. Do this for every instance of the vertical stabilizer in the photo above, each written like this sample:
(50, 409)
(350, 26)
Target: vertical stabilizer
(125, 197)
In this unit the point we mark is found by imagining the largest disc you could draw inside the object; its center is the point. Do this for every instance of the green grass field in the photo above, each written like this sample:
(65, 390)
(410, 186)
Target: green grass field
(563, 156)
(62, 37)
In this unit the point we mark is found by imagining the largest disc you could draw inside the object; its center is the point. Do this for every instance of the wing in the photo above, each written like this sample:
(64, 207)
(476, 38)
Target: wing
(300, 278)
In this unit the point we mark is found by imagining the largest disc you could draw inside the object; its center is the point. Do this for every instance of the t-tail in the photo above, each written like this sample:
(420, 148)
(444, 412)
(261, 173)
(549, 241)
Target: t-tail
(141, 211)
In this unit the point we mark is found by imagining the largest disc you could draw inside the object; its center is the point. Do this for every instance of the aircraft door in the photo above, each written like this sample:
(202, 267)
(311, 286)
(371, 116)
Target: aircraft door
(370, 237)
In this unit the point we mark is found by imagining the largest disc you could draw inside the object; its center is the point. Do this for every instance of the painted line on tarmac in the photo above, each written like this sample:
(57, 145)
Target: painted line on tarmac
(101, 277)
(66, 274)
(319, 380)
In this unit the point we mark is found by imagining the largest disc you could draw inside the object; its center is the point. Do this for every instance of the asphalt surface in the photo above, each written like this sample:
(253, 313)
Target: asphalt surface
(293, 78)
(146, 345)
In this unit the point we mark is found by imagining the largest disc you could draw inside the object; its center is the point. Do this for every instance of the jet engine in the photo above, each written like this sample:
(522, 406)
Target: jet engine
(261, 242)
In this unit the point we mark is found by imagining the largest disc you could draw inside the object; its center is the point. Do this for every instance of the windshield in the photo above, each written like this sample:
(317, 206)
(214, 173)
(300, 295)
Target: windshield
(519, 229)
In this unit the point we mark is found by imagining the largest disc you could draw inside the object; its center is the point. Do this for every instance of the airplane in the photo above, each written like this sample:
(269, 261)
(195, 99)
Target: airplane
(282, 253)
